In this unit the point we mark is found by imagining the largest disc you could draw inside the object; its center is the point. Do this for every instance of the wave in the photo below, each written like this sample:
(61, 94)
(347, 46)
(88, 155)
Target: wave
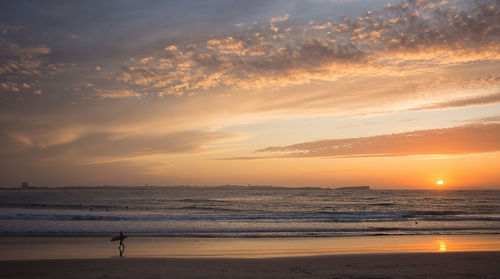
(200, 201)
(321, 217)
(433, 213)
(58, 206)
(264, 232)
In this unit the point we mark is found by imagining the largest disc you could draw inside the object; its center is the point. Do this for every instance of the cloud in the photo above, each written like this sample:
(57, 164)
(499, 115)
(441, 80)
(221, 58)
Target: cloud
(417, 33)
(5, 28)
(27, 67)
(279, 18)
(17, 62)
(25, 64)
(86, 145)
(484, 120)
(116, 114)
(472, 138)
(10, 86)
(450, 33)
(108, 148)
(480, 100)
(96, 155)
(117, 94)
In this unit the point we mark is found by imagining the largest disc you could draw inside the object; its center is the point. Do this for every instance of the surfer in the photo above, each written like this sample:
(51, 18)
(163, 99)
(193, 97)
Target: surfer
(122, 238)
(121, 247)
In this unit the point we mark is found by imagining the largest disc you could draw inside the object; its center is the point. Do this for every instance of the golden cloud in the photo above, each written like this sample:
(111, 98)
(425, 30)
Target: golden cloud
(474, 138)
(421, 32)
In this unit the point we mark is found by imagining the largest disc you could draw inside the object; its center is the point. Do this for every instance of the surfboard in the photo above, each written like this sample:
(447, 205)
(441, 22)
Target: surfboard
(116, 238)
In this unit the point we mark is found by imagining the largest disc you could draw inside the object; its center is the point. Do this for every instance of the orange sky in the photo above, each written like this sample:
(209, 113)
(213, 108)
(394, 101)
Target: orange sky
(328, 93)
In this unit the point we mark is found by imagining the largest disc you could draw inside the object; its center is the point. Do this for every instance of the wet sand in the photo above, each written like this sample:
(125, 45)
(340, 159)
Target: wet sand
(85, 247)
(471, 256)
(397, 265)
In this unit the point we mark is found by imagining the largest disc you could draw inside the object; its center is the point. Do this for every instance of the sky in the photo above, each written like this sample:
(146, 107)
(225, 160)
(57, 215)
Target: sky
(328, 93)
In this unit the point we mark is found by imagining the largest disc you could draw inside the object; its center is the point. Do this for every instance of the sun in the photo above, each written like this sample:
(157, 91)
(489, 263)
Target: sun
(440, 183)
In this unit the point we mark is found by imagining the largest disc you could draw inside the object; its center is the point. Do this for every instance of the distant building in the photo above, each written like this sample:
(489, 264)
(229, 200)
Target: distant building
(25, 185)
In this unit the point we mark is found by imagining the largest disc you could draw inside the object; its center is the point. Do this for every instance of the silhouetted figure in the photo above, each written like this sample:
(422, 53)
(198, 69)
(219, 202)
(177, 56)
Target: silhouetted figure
(121, 247)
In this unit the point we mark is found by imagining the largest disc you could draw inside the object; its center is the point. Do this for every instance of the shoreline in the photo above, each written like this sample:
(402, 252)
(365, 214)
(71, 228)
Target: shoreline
(389, 265)
(232, 235)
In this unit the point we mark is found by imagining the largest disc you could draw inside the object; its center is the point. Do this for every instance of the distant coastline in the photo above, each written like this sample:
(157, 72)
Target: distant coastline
(354, 188)
(121, 187)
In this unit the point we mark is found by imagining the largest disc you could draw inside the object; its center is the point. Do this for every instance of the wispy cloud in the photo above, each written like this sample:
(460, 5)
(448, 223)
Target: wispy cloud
(90, 147)
(6, 28)
(456, 140)
(109, 148)
(480, 100)
(484, 120)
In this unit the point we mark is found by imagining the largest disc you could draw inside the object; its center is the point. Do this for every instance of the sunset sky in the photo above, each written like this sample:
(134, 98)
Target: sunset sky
(329, 93)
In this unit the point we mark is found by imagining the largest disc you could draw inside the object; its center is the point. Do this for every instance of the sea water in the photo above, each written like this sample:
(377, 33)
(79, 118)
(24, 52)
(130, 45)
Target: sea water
(246, 212)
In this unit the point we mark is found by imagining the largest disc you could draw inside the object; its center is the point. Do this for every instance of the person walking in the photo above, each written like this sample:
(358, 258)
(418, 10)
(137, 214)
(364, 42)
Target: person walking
(121, 247)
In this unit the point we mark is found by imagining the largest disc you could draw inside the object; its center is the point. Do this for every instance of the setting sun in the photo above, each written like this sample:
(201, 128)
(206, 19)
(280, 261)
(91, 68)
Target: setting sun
(440, 183)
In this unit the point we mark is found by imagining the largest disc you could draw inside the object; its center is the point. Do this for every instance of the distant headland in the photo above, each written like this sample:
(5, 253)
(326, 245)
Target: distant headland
(354, 188)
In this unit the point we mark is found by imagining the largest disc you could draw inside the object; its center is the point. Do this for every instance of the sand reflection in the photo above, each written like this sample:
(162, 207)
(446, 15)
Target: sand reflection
(177, 247)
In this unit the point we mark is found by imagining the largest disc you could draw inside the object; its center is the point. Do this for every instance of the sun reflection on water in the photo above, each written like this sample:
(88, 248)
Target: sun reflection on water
(442, 246)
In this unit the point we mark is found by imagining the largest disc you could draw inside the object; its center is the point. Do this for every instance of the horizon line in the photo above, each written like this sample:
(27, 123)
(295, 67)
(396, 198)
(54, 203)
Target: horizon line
(376, 188)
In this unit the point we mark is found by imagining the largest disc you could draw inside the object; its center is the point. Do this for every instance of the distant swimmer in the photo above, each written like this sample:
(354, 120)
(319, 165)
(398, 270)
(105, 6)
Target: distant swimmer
(121, 247)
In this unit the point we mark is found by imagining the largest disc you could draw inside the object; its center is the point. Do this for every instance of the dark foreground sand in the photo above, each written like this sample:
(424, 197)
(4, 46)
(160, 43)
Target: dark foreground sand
(409, 265)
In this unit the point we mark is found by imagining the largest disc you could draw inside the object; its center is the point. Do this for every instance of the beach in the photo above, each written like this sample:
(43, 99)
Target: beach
(465, 256)
(394, 265)
(99, 247)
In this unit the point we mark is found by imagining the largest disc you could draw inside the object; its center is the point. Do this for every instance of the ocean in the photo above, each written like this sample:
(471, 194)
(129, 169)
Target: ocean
(246, 212)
